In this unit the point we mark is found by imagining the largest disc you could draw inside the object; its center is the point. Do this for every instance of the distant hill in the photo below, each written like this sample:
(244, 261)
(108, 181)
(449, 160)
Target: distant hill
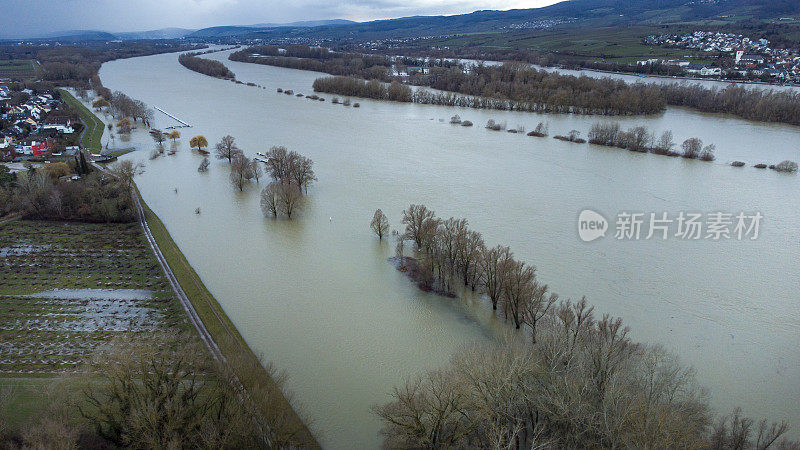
(243, 30)
(78, 35)
(586, 12)
(164, 33)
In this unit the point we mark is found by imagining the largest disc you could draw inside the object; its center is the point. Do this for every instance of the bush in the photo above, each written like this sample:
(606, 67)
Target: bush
(737, 163)
(760, 166)
(785, 166)
(708, 153)
(466, 123)
(494, 126)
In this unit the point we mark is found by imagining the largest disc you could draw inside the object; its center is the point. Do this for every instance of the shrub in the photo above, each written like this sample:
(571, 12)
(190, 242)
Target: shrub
(737, 163)
(785, 166)
(466, 123)
(455, 119)
(760, 166)
(708, 153)
(494, 126)
(280, 90)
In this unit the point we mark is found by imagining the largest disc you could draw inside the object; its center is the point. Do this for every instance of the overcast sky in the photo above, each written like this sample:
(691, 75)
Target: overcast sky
(25, 18)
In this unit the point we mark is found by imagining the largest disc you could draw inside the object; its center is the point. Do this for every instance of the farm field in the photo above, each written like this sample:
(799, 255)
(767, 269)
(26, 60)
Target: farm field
(68, 288)
(17, 68)
(623, 45)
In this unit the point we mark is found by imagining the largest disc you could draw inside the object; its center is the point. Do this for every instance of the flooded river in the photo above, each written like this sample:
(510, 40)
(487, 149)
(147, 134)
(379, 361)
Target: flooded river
(317, 297)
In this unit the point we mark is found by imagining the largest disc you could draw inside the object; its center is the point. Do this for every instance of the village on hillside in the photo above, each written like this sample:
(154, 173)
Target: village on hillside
(750, 59)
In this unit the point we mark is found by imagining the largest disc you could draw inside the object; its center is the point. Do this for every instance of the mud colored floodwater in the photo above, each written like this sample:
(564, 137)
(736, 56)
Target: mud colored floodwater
(318, 298)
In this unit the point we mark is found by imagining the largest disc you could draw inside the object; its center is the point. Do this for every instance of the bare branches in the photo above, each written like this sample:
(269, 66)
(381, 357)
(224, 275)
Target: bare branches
(379, 224)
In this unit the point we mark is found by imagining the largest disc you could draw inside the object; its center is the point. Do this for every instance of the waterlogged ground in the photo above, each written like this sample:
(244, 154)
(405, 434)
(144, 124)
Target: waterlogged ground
(66, 289)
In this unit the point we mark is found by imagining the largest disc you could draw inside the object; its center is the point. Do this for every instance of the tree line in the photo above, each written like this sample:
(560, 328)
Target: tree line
(77, 65)
(519, 86)
(577, 381)
(205, 66)
(640, 139)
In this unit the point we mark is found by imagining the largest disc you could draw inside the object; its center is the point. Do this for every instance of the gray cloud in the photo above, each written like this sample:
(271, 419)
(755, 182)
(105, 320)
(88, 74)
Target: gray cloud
(27, 18)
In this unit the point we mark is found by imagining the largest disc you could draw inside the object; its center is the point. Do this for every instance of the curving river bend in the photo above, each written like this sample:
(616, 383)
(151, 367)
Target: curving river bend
(317, 297)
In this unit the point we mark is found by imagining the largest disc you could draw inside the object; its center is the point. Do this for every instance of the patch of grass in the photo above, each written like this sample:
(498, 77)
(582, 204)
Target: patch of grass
(95, 127)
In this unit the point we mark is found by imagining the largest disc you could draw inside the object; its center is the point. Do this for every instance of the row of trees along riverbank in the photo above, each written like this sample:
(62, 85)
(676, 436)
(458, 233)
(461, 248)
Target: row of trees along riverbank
(519, 86)
(577, 381)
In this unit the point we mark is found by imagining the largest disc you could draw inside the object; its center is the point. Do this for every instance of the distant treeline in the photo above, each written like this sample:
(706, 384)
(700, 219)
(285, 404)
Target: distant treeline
(76, 65)
(766, 105)
(205, 66)
(302, 57)
(400, 92)
(518, 86)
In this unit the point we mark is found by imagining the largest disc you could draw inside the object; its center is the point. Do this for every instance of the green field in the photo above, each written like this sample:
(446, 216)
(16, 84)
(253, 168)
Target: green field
(17, 68)
(93, 134)
(615, 44)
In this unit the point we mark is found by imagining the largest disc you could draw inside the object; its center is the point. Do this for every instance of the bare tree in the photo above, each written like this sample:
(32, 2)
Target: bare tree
(256, 169)
(301, 170)
(421, 224)
(284, 198)
(537, 306)
(125, 171)
(278, 163)
(158, 136)
(226, 148)
(518, 285)
(665, 144)
(692, 148)
(379, 224)
(241, 168)
(492, 262)
(269, 199)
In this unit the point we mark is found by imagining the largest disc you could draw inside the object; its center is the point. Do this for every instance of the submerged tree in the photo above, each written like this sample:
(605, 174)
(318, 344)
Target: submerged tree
(198, 142)
(174, 135)
(241, 170)
(379, 224)
(226, 148)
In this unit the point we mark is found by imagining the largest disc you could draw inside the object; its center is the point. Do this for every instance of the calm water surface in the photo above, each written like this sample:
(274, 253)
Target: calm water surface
(317, 297)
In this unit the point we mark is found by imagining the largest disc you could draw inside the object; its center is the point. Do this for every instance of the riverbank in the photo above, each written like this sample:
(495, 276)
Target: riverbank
(222, 330)
(93, 127)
